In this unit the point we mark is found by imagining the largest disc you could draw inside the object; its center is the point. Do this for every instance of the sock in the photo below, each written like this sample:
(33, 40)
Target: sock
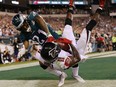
(53, 71)
(91, 25)
(70, 9)
(75, 71)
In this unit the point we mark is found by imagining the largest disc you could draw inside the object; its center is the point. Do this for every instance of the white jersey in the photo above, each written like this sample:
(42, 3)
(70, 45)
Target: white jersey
(81, 44)
(64, 60)
(61, 63)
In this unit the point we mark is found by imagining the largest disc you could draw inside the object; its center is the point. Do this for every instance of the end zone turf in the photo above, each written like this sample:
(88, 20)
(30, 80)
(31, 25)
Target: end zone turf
(92, 69)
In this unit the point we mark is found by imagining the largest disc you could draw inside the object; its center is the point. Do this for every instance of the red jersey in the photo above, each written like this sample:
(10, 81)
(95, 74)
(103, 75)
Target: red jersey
(60, 40)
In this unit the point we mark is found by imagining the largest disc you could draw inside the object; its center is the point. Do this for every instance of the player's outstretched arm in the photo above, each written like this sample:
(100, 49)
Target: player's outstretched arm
(39, 20)
(96, 16)
(42, 23)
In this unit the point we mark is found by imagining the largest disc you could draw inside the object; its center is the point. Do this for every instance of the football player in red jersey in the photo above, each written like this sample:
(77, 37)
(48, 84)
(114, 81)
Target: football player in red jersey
(47, 59)
(56, 53)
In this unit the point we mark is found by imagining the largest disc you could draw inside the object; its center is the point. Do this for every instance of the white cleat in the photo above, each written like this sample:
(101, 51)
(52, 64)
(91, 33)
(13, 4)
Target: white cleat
(79, 79)
(62, 78)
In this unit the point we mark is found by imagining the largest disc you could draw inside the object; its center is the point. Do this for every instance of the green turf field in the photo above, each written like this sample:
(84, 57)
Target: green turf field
(92, 69)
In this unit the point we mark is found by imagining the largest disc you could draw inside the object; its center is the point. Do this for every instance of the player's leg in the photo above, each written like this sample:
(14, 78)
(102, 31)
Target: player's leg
(75, 73)
(85, 35)
(58, 73)
(68, 31)
(53, 71)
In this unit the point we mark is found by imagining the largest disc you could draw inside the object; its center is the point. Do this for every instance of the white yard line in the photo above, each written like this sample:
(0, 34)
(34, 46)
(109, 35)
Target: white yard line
(53, 83)
(102, 54)
(18, 66)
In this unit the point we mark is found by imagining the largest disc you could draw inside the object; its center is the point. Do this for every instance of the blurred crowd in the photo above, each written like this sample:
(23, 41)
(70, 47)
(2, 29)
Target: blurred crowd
(44, 10)
(6, 27)
(53, 10)
(103, 37)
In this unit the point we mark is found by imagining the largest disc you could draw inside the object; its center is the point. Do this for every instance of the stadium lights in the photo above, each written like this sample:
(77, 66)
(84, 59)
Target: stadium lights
(15, 2)
(65, 2)
(113, 1)
(41, 2)
(0, 0)
(36, 2)
(76, 2)
(80, 3)
(55, 2)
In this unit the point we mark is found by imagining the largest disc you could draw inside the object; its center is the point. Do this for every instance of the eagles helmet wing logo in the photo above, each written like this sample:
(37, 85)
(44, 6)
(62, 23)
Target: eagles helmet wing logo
(17, 20)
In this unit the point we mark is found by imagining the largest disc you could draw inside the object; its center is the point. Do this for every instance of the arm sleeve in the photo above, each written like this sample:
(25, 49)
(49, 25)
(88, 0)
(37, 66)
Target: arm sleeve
(52, 32)
(91, 25)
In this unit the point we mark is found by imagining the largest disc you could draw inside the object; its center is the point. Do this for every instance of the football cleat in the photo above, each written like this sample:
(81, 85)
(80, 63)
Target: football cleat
(102, 3)
(62, 78)
(71, 3)
(99, 10)
(79, 79)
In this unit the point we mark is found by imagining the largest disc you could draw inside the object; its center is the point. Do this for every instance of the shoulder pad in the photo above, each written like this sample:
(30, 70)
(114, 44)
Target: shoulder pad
(32, 15)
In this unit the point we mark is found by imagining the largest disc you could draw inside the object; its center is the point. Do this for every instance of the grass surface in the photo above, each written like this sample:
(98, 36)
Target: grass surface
(92, 69)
